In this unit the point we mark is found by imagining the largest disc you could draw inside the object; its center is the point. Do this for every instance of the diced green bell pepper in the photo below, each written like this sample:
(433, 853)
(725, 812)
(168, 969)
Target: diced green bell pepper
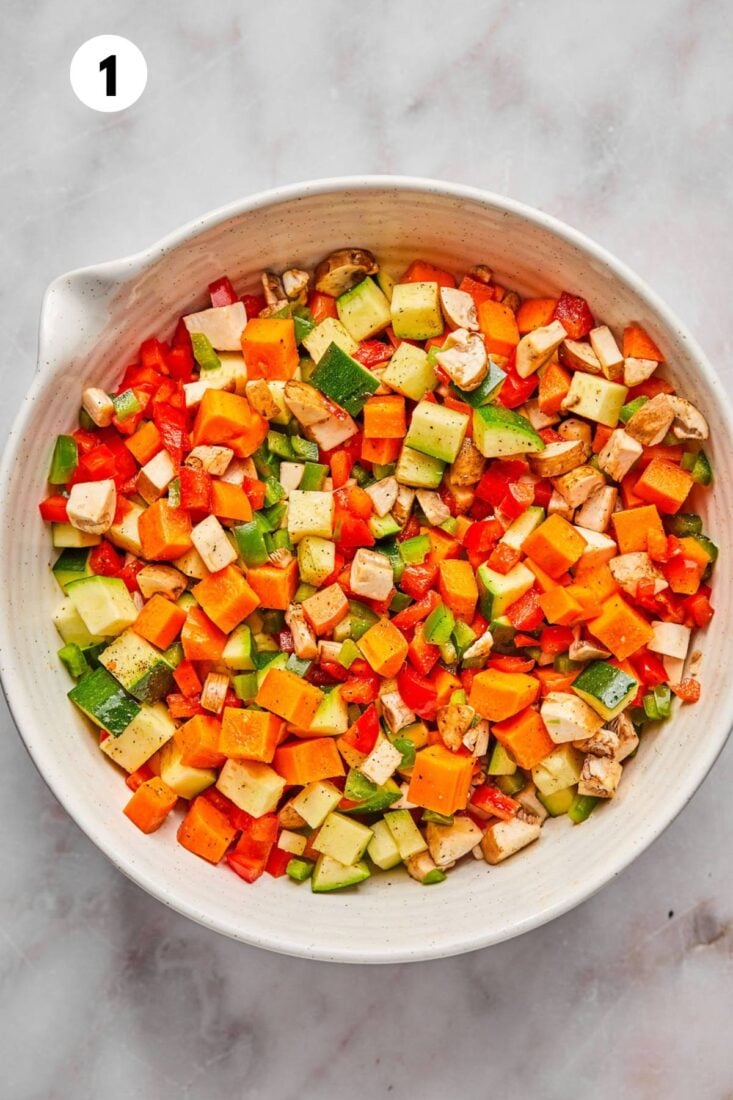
(299, 870)
(582, 807)
(203, 352)
(304, 448)
(439, 625)
(126, 405)
(627, 411)
(510, 784)
(348, 653)
(245, 686)
(314, 476)
(684, 524)
(280, 445)
(415, 550)
(436, 818)
(698, 466)
(250, 540)
(274, 492)
(74, 659)
(64, 460)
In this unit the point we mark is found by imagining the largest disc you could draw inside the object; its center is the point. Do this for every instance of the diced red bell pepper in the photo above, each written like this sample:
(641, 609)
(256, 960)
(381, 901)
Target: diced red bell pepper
(277, 864)
(574, 315)
(104, 560)
(153, 353)
(141, 775)
(510, 663)
(181, 336)
(699, 609)
(372, 352)
(187, 678)
(649, 668)
(255, 491)
(322, 306)
(249, 857)
(360, 689)
(417, 580)
(482, 536)
(518, 498)
(363, 734)
(352, 531)
(683, 574)
(238, 819)
(522, 641)
(503, 558)
(359, 503)
(416, 612)
(495, 482)
(687, 690)
(181, 706)
(549, 435)
(422, 655)
(526, 613)
(341, 463)
(96, 465)
(180, 363)
(417, 692)
(222, 292)
(515, 390)
(195, 489)
(129, 573)
(491, 801)
(171, 422)
(253, 304)
(542, 492)
(555, 639)
(53, 509)
(410, 530)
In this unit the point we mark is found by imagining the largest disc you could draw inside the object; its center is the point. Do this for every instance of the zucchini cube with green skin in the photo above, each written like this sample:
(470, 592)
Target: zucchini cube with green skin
(332, 716)
(103, 699)
(329, 331)
(595, 398)
(419, 471)
(141, 668)
(104, 603)
(382, 848)
(498, 432)
(185, 781)
(70, 626)
(72, 564)
(310, 512)
(405, 833)
(253, 787)
(64, 535)
(559, 802)
(363, 311)
(238, 652)
(504, 588)
(329, 874)
(437, 431)
(486, 391)
(559, 770)
(605, 688)
(522, 527)
(316, 559)
(345, 381)
(416, 312)
(369, 797)
(343, 839)
(148, 732)
(500, 762)
(315, 802)
(410, 373)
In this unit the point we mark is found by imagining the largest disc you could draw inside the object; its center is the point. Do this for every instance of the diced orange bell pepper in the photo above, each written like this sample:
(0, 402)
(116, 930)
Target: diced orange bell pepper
(637, 344)
(535, 313)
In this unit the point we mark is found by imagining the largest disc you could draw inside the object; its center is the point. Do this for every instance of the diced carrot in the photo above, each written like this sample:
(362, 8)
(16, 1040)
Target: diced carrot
(442, 546)
(206, 831)
(385, 418)
(621, 628)
(497, 695)
(382, 452)
(559, 607)
(632, 527)
(597, 580)
(270, 349)
(499, 326)
(444, 684)
(145, 443)
(384, 647)
(249, 734)
(274, 587)
(201, 639)
(525, 736)
(555, 545)
(441, 780)
(230, 502)
(664, 484)
(160, 621)
(638, 344)
(544, 581)
(165, 532)
(198, 740)
(291, 698)
(420, 271)
(308, 761)
(601, 437)
(226, 598)
(229, 419)
(150, 805)
(458, 588)
(535, 313)
(554, 387)
(554, 681)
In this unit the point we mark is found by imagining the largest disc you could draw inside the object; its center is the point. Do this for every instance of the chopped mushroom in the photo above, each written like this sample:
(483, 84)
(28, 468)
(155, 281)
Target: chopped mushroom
(464, 358)
(532, 809)
(459, 308)
(629, 570)
(342, 270)
(304, 640)
(98, 406)
(211, 541)
(580, 356)
(582, 650)
(91, 506)
(214, 693)
(163, 580)
(436, 511)
(559, 458)
(482, 273)
(273, 290)
(402, 507)
(210, 457)
(568, 718)
(371, 575)
(291, 475)
(295, 284)
(395, 711)
(607, 352)
(537, 418)
(454, 720)
(449, 843)
(604, 742)
(670, 639)
(469, 465)
(596, 513)
(383, 494)
(619, 454)
(628, 738)
(637, 371)
(192, 564)
(557, 505)
(289, 818)
(652, 421)
(280, 558)
(572, 428)
(260, 397)
(600, 777)
(420, 865)
(503, 838)
(381, 763)
(480, 649)
(577, 485)
(155, 477)
(538, 347)
(221, 325)
(323, 422)
(688, 423)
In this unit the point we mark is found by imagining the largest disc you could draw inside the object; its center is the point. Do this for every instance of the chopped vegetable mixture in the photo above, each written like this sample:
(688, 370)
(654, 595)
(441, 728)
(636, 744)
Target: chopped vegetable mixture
(361, 571)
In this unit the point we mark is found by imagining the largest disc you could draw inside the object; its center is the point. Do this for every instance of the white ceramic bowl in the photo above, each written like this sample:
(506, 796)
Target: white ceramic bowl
(91, 322)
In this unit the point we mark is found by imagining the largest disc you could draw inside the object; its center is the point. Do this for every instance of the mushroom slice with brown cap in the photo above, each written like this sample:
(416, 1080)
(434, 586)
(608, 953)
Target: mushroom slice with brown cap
(295, 283)
(688, 423)
(468, 466)
(652, 421)
(559, 458)
(273, 289)
(464, 359)
(459, 308)
(344, 269)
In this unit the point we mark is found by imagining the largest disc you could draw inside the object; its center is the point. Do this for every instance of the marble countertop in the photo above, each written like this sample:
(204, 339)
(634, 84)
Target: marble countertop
(614, 118)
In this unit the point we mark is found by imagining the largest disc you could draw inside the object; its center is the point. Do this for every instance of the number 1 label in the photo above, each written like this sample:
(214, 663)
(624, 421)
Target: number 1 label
(108, 73)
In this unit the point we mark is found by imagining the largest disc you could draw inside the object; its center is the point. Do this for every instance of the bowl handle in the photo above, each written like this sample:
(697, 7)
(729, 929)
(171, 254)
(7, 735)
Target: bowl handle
(75, 307)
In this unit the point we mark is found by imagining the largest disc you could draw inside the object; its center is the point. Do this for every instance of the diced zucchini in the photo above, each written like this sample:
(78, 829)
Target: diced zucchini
(418, 470)
(500, 762)
(405, 833)
(329, 874)
(105, 701)
(104, 604)
(560, 769)
(416, 313)
(187, 782)
(238, 652)
(71, 565)
(329, 331)
(64, 535)
(343, 839)
(141, 668)
(382, 848)
(332, 716)
(316, 801)
(522, 527)
(559, 802)
(595, 398)
(310, 513)
(253, 787)
(498, 431)
(364, 311)
(344, 380)
(437, 431)
(504, 588)
(605, 688)
(410, 373)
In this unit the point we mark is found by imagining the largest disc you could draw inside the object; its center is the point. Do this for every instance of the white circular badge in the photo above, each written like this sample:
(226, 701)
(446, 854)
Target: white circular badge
(108, 73)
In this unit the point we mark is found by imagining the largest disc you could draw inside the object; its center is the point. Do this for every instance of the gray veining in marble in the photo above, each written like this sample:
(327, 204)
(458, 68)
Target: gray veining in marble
(613, 116)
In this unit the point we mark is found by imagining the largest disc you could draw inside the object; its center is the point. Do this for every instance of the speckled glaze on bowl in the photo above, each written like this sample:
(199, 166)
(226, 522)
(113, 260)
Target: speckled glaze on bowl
(90, 321)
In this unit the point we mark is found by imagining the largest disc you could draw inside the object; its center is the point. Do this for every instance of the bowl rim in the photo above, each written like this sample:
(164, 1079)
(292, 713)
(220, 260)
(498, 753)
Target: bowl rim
(128, 267)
